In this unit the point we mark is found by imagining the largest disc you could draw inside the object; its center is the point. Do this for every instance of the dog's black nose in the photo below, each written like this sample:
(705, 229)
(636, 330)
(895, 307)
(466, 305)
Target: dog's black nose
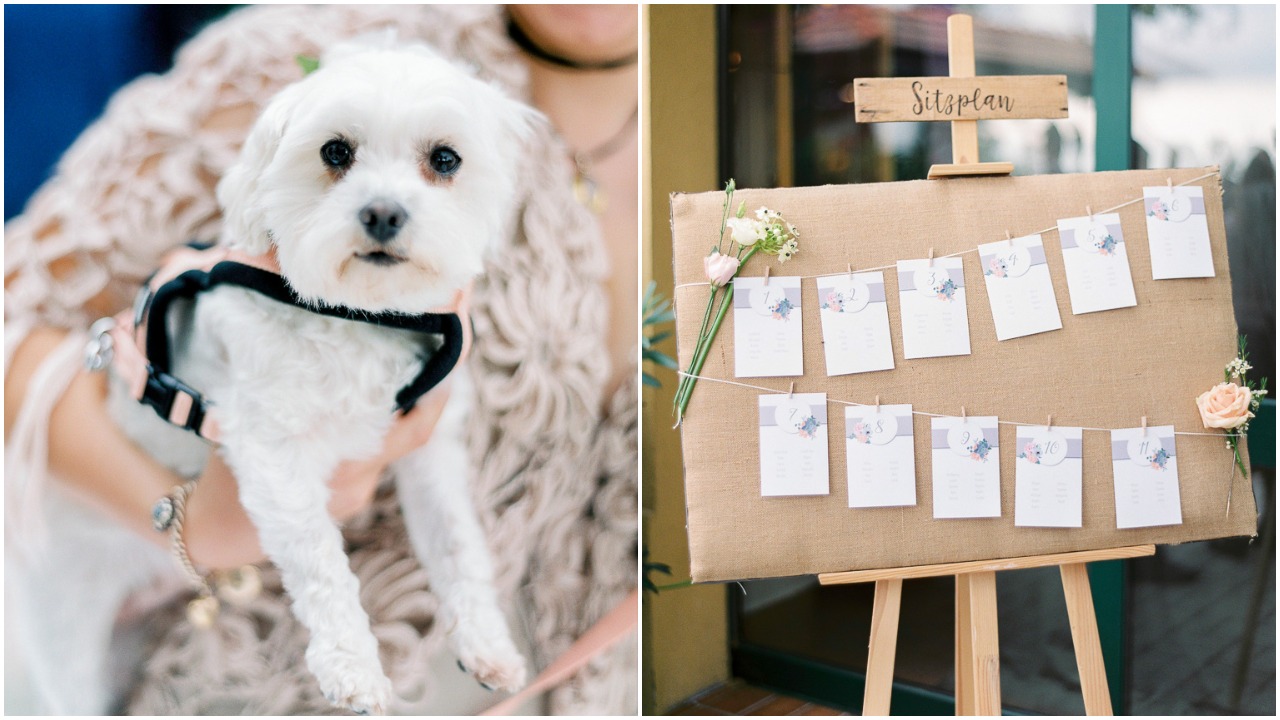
(382, 219)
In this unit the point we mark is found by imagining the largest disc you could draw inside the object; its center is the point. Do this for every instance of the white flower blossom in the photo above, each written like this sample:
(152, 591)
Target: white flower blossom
(746, 232)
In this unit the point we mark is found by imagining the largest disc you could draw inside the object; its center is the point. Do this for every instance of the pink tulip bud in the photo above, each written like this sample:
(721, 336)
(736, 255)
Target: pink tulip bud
(720, 268)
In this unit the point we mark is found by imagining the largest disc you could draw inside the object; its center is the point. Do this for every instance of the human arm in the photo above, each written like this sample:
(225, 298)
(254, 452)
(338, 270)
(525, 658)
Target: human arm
(89, 452)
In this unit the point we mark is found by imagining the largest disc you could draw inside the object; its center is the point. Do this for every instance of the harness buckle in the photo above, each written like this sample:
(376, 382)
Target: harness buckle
(173, 400)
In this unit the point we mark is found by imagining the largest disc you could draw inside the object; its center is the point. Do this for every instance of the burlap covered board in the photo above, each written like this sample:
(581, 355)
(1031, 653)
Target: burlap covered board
(1104, 369)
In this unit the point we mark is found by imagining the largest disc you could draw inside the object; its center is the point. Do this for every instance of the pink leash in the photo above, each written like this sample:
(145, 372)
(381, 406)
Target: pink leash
(600, 637)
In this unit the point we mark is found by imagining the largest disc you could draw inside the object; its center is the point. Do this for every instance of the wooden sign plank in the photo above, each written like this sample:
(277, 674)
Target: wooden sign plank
(991, 97)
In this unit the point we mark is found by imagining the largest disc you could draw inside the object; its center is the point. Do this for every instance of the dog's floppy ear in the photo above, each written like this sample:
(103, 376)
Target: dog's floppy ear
(244, 222)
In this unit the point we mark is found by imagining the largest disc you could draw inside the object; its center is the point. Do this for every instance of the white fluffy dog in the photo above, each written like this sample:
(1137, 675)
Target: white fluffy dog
(381, 181)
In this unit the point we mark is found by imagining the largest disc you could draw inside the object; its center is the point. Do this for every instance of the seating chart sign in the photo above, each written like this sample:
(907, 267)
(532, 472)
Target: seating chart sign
(1102, 370)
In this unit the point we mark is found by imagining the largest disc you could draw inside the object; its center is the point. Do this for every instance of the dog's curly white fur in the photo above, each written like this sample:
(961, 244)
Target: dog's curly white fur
(382, 181)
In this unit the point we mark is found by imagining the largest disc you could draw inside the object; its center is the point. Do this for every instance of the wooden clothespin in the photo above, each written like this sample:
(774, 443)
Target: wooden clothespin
(877, 403)
(1144, 426)
(766, 276)
(850, 266)
(1048, 425)
(792, 391)
(930, 257)
(1008, 238)
(1169, 180)
(964, 414)
(1089, 210)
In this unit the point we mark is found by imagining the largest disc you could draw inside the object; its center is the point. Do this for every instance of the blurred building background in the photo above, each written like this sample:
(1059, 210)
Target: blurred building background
(763, 94)
(61, 65)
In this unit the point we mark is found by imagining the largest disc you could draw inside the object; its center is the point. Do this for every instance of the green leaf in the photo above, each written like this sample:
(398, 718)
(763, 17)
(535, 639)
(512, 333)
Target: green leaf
(308, 64)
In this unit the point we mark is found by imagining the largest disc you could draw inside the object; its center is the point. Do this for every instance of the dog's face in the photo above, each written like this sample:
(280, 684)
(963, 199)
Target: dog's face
(382, 179)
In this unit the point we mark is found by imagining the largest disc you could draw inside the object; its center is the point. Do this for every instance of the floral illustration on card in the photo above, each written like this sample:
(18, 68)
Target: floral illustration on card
(808, 428)
(782, 309)
(1158, 209)
(861, 433)
(945, 291)
(1158, 459)
(1102, 243)
(979, 450)
(833, 302)
(1031, 452)
(998, 267)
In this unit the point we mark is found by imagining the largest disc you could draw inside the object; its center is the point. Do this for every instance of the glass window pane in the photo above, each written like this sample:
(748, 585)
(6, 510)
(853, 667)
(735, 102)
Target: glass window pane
(1204, 93)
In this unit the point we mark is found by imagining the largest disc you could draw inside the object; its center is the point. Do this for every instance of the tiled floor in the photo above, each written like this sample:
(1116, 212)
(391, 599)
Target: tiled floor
(739, 698)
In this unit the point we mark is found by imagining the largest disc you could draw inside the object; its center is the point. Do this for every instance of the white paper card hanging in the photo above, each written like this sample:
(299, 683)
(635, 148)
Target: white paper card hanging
(931, 297)
(966, 467)
(1049, 466)
(855, 323)
(1096, 259)
(767, 337)
(881, 456)
(793, 445)
(1145, 467)
(1178, 232)
(1019, 287)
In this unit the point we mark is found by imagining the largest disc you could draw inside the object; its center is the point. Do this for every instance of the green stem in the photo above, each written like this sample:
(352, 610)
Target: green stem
(703, 348)
(724, 217)
(702, 339)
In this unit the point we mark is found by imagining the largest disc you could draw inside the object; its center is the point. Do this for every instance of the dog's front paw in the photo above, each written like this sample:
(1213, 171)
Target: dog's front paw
(484, 649)
(350, 681)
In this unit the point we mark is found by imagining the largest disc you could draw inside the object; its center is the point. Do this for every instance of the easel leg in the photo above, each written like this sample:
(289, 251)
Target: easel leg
(884, 646)
(964, 644)
(985, 639)
(1084, 635)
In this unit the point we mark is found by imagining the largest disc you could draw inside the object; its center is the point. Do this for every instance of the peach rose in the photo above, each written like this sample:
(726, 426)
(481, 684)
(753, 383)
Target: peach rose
(720, 268)
(1226, 406)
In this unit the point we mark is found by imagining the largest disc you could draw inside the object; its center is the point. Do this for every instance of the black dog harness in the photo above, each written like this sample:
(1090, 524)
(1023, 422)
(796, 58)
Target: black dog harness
(138, 341)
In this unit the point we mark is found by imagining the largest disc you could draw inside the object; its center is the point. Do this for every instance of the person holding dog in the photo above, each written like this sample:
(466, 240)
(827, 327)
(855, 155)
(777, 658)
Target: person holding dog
(555, 427)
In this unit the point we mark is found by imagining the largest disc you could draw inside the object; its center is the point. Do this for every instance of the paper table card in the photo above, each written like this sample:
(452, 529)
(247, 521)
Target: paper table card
(881, 454)
(1097, 263)
(1049, 465)
(966, 467)
(766, 327)
(793, 445)
(1178, 231)
(1019, 286)
(1146, 477)
(935, 321)
(855, 323)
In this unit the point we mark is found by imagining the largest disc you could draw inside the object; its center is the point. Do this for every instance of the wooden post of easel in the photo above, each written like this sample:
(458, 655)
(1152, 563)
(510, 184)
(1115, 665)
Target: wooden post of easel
(963, 99)
(977, 638)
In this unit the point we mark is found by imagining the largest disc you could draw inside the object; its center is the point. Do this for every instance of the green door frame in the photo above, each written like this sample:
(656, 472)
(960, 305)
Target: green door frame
(1112, 91)
(1112, 96)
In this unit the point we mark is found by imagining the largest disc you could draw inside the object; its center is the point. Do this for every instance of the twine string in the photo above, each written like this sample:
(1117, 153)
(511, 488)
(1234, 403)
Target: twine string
(774, 391)
(974, 250)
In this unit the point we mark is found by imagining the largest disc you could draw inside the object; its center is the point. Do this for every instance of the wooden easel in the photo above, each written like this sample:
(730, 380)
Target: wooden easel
(977, 636)
(977, 646)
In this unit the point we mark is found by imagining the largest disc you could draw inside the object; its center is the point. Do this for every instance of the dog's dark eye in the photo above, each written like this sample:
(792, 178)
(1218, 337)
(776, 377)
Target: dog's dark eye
(337, 154)
(444, 160)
